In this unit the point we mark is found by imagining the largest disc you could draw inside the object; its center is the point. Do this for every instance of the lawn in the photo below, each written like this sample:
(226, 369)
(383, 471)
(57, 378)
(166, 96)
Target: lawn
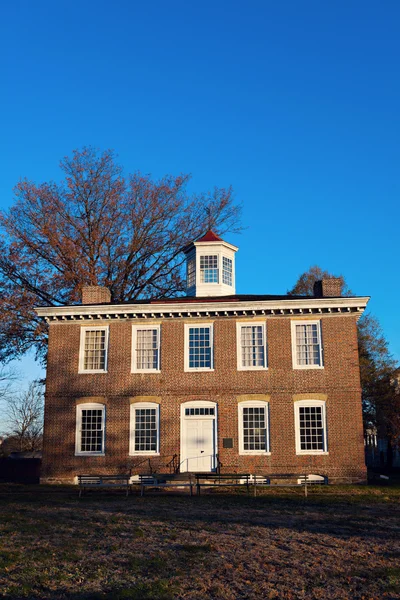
(340, 542)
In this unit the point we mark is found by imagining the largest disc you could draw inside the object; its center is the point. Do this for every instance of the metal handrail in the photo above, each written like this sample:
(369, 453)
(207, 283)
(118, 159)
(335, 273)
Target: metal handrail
(173, 464)
(219, 464)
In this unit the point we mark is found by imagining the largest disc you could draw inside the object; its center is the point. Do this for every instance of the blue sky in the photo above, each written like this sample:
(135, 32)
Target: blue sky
(294, 104)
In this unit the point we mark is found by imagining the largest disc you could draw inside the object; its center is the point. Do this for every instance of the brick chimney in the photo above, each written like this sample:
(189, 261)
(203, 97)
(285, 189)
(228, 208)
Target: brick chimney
(330, 288)
(96, 294)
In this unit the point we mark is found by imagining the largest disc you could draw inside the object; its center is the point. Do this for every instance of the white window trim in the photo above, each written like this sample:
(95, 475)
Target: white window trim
(297, 405)
(135, 328)
(191, 260)
(186, 358)
(219, 273)
(239, 326)
(78, 428)
(132, 451)
(222, 270)
(253, 404)
(295, 322)
(81, 368)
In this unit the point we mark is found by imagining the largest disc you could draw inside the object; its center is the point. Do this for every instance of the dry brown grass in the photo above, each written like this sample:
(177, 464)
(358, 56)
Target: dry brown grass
(341, 542)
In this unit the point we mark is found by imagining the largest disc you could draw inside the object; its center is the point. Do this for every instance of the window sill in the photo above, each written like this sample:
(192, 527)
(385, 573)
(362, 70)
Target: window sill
(307, 367)
(86, 372)
(90, 454)
(148, 371)
(311, 453)
(252, 368)
(198, 370)
(254, 453)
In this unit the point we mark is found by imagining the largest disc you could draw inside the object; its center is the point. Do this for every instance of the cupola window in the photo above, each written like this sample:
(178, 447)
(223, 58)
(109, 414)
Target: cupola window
(191, 273)
(226, 270)
(209, 269)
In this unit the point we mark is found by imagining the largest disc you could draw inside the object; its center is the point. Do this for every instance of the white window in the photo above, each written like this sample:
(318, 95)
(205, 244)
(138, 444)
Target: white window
(209, 269)
(251, 346)
(145, 428)
(90, 429)
(200, 411)
(306, 345)
(191, 273)
(198, 347)
(310, 423)
(226, 270)
(253, 427)
(93, 350)
(145, 349)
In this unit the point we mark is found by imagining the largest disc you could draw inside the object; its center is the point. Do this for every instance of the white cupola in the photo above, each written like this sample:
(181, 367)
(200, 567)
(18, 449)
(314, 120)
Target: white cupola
(210, 267)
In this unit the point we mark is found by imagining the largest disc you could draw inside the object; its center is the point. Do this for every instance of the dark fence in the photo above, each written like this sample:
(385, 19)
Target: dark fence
(20, 470)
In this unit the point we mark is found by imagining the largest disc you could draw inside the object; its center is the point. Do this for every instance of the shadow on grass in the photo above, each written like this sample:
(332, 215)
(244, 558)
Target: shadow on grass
(343, 513)
(154, 590)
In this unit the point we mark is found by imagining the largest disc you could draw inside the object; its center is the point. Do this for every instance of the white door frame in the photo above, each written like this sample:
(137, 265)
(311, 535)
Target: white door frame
(198, 404)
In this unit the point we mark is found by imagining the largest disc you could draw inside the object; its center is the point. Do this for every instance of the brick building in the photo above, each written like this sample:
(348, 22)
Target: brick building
(249, 383)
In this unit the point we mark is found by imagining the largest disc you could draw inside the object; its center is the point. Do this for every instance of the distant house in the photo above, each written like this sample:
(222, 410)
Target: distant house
(243, 383)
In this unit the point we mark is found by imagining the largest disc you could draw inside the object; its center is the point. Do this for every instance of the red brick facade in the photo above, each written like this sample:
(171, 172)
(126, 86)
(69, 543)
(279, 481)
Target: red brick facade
(338, 383)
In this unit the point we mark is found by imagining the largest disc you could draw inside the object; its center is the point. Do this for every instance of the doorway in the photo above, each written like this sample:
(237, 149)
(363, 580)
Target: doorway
(198, 437)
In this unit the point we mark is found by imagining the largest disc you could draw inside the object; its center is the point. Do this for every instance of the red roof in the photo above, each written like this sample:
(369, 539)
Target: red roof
(210, 236)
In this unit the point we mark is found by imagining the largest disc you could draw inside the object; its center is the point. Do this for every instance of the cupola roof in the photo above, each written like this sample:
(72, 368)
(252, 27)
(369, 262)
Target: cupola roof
(210, 236)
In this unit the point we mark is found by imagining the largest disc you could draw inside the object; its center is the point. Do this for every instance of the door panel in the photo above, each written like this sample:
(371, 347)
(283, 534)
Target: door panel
(198, 448)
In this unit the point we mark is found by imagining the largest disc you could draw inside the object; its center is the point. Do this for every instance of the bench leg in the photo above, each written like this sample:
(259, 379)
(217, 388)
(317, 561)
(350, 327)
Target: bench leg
(142, 490)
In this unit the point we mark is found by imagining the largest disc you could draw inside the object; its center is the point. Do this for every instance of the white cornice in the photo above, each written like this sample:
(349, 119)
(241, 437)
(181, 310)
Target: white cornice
(216, 243)
(269, 308)
(209, 244)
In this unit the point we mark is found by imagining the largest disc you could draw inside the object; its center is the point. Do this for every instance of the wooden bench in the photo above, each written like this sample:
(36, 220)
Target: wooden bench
(163, 480)
(223, 480)
(94, 482)
(256, 480)
(289, 480)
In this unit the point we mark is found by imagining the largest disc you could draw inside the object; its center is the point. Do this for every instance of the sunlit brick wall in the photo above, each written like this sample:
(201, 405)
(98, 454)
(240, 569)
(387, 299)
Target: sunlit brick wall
(338, 382)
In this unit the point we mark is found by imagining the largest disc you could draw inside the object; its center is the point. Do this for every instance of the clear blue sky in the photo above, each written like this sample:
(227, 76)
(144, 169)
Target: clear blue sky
(295, 104)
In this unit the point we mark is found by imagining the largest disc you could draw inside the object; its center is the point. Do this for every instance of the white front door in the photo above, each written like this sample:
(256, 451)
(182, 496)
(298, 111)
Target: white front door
(198, 437)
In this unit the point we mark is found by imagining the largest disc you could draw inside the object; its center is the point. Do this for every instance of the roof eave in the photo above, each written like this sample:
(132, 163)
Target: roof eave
(246, 308)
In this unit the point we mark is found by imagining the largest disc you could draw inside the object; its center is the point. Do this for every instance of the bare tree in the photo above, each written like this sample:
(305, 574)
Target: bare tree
(97, 227)
(25, 417)
(7, 378)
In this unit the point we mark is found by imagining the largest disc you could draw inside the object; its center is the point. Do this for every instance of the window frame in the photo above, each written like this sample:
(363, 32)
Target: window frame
(191, 273)
(187, 368)
(132, 422)
(83, 332)
(225, 272)
(253, 404)
(78, 428)
(239, 326)
(203, 271)
(310, 403)
(135, 329)
(295, 363)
